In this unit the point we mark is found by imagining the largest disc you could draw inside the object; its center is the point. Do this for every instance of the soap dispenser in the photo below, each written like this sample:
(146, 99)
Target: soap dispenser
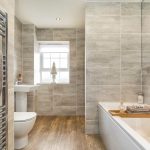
(19, 79)
(140, 98)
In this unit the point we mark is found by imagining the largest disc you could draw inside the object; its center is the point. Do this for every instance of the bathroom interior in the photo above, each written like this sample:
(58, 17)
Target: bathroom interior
(75, 75)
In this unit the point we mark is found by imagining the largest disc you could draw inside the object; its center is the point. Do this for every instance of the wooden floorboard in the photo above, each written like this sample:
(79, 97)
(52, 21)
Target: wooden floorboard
(62, 133)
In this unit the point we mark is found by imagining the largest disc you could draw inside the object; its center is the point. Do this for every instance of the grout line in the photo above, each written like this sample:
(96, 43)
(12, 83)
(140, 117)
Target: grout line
(141, 48)
(76, 71)
(120, 56)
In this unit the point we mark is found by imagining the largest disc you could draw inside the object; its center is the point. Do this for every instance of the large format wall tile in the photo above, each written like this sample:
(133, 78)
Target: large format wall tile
(113, 55)
(145, 41)
(131, 24)
(96, 93)
(146, 50)
(129, 93)
(146, 92)
(64, 99)
(146, 8)
(103, 58)
(92, 127)
(18, 49)
(131, 41)
(131, 76)
(96, 9)
(64, 111)
(92, 113)
(44, 34)
(131, 59)
(102, 76)
(146, 24)
(103, 24)
(103, 41)
(130, 9)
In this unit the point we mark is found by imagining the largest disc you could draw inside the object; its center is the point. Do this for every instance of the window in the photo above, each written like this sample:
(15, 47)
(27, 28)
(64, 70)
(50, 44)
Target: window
(57, 52)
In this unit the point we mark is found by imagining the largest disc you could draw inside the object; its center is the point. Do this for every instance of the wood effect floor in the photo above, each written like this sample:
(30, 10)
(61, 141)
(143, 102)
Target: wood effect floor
(62, 133)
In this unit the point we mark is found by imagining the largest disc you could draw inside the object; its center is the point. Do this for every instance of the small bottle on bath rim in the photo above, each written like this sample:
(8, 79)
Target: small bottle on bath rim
(140, 98)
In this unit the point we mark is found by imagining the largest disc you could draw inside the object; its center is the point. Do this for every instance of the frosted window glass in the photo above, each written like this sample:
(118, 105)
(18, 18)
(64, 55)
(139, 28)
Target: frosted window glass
(46, 76)
(64, 77)
(46, 55)
(63, 55)
(56, 62)
(55, 55)
(58, 53)
(63, 63)
(46, 63)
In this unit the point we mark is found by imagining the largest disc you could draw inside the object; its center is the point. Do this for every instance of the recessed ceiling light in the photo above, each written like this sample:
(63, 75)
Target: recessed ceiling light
(58, 18)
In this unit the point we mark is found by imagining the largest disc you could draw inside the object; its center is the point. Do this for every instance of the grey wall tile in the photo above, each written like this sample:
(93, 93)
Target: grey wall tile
(102, 76)
(103, 41)
(131, 59)
(91, 127)
(103, 58)
(146, 91)
(18, 49)
(80, 76)
(91, 112)
(145, 24)
(102, 24)
(146, 8)
(91, 1)
(64, 100)
(43, 107)
(145, 58)
(64, 34)
(28, 64)
(146, 67)
(44, 34)
(131, 76)
(130, 93)
(80, 111)
(131, 24)
(97, 93)
(113, 61)
(81, 95)
(64, 110)
(131, 8)
(64, 89)
(96, 9)
(145, 41)
(131, 42)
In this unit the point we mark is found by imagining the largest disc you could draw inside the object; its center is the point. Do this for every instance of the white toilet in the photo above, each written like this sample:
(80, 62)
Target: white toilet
(23, 124)
(23, 120)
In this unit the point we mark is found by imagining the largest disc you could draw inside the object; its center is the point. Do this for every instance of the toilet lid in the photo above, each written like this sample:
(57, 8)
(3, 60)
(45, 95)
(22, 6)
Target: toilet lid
(23, 116)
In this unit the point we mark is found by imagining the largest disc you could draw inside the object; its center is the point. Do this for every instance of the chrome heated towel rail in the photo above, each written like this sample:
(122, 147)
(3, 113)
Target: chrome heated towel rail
(3, 80)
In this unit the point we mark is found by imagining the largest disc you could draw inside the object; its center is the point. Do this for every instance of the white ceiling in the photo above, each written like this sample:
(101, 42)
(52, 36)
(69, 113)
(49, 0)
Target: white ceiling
(43, 13)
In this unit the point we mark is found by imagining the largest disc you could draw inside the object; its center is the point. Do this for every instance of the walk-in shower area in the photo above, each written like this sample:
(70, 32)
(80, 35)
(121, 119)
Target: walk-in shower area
(117, 54)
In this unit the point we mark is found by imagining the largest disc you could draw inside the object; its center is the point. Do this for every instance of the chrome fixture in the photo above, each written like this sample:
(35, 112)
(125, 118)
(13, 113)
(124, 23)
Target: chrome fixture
(3, 81)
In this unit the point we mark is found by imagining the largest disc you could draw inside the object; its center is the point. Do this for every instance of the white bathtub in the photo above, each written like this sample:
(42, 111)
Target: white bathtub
(123, 133)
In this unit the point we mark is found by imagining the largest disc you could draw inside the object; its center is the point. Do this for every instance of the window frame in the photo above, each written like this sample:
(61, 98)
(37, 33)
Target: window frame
(59, 70)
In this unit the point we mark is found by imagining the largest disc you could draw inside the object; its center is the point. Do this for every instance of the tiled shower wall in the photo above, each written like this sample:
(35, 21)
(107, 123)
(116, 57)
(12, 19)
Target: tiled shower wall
(18, 65)
(8, 6)
(113, 55)
(146, 50)
(28, 48)
(64, 99)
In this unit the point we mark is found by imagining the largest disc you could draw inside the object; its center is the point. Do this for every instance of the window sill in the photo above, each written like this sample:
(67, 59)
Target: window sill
(46, 83)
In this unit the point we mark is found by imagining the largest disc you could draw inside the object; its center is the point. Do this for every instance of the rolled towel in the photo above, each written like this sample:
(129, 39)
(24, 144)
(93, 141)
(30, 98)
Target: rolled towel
(138, 109)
